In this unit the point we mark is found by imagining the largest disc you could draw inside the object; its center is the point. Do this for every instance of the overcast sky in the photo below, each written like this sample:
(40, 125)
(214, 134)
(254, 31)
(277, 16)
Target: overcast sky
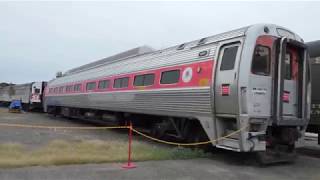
(37, 39)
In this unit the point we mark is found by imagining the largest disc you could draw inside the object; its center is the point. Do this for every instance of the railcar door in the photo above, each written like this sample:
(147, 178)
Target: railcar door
(36, 91)
(260, 83)
(291, 79)
(226, 101)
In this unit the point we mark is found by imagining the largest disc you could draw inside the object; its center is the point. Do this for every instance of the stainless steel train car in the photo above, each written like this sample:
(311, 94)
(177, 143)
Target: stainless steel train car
(314, 52)
(255, 78)
(30, 94)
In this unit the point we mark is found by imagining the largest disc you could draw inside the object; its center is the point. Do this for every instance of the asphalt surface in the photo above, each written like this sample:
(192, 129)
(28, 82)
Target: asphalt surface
(304, 168)
(224, 165)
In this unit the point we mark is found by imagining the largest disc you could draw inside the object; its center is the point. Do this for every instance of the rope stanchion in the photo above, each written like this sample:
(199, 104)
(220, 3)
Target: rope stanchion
(129, 164)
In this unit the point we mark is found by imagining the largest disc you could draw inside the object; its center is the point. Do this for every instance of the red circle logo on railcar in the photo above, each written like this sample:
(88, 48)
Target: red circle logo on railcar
(187, 75)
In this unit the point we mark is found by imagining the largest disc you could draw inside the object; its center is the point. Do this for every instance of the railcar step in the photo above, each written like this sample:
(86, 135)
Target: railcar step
(229, 144)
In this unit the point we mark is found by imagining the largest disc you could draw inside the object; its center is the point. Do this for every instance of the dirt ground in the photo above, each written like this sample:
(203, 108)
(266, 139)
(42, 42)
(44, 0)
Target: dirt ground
(222, 165)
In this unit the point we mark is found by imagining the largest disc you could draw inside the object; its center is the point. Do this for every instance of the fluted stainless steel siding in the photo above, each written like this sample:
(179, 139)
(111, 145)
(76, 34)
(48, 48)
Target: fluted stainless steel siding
(179, 102)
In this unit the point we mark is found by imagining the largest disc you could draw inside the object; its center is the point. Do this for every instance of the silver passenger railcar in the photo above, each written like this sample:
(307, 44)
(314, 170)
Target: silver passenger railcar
(256, 79)
(30, 94)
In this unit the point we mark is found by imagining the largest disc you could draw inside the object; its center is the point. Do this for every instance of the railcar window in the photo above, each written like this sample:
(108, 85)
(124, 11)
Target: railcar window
(144, 80)
(77, 87)
(261, 61)
(121, 82)
(60, 89)
(124, 82)
(138, 80)
(117, 83)
(69, 88)
(55, 90)
(148, 79)
(37, 90)
(288, 67)
(170, 77)
(50, 90)
(229, 58)
(91, 86)
(104, 84)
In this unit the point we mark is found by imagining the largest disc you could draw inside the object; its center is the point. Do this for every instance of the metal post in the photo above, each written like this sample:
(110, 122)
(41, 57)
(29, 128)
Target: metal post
(129, 164)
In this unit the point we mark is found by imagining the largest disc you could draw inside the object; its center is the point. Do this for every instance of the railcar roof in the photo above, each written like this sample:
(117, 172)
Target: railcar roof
(146, 53)
(143, 50)
(126, 54)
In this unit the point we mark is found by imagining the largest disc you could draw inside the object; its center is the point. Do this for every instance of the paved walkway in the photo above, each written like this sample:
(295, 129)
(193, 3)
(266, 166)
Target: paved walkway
(304, 168)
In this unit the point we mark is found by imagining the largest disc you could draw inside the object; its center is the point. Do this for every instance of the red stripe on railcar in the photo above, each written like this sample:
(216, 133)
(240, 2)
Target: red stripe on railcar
(201, 76)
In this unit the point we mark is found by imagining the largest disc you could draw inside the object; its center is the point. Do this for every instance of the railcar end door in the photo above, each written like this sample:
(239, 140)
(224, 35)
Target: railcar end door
(291, 83)
(226, 79)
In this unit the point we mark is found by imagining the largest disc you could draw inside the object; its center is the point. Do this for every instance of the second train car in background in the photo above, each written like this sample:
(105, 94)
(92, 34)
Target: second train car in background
(314, 52)
(30, 94)
(255, 78)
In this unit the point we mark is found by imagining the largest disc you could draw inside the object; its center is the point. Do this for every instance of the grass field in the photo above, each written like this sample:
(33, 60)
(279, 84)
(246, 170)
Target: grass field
(60, 152)
(74, 147)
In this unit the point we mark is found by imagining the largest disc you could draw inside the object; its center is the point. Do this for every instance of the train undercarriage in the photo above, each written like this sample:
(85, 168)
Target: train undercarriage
(280, 145)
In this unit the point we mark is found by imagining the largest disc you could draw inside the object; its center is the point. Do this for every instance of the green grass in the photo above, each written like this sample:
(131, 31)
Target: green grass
(60, 152)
